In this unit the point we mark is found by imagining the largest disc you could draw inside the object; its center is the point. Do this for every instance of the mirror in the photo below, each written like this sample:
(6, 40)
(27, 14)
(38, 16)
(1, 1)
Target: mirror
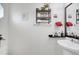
(1, 11)
(72, 20)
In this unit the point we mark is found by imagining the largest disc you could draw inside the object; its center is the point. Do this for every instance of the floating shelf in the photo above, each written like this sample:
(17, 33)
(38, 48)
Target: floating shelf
(44, 16)
(49, 10)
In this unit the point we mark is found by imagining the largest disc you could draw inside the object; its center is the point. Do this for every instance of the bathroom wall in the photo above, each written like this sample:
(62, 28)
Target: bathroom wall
(25, 36)
(4, 22)
(71, 10)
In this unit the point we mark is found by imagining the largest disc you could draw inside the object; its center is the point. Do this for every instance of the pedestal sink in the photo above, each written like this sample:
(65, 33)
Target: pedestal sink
(69, 47)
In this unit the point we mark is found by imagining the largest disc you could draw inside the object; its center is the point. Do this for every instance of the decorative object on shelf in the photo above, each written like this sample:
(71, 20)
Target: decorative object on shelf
(43, 15)
(58, 24)
(45, 6)
(1, 37)
(62, 34)
(69, 24)
(69, 16)
(50, 35)
(56, 35)
(77, 16)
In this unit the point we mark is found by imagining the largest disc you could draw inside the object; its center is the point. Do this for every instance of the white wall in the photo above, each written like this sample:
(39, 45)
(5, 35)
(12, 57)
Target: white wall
(4, 22)
(27, 38)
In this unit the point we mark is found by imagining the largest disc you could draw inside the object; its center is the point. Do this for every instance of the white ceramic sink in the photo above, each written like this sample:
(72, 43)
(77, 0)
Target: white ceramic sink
(69, 46)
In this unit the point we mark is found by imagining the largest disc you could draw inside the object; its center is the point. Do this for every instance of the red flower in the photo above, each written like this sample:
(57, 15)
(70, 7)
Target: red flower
(69, 24)
(58, 24)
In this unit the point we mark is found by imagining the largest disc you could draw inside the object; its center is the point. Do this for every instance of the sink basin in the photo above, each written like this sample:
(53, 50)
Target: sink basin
(69, 46)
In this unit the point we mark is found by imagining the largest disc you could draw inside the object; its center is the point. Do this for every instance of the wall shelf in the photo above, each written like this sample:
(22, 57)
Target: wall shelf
(37, 9)
(43, 16)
